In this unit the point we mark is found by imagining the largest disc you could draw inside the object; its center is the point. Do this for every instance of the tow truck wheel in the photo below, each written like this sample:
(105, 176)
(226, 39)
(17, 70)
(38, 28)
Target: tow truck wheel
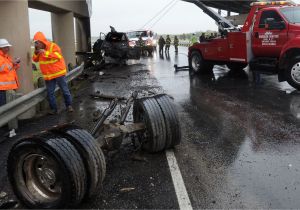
(46, 171)
(90, 152)
(293, 73)
(148, 111)
(198, 65)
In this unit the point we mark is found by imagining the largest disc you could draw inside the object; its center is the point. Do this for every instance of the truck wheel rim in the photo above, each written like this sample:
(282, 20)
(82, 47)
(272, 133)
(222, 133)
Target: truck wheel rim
(195, 63)
(39, 174)
(295, 73)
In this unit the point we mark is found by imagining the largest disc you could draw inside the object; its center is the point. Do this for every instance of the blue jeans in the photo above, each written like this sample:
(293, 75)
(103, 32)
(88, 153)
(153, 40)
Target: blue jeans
(2, 97)
(62, 83)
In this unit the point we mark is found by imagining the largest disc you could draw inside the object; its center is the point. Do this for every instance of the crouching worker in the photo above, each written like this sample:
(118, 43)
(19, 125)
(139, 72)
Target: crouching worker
(8, 74)
(53, 68)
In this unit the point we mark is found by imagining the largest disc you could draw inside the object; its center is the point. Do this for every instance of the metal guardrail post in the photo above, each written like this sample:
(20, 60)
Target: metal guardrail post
(11, 95)
(17, 107)
(43, 105)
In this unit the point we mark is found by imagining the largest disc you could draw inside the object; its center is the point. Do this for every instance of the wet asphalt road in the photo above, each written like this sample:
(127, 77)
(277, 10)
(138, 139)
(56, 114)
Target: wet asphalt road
(240, 141)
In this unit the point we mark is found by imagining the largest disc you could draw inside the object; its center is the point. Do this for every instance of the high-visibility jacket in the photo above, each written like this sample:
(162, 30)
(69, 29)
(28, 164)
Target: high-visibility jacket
(52, 63)
(176, 41)
(168, 41)
(8, 74)
(193, 40)
(161, 42)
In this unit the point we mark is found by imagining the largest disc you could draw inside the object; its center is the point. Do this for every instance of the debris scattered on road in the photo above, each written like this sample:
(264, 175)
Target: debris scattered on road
(12, 133)
(3, 195)
(101, 73)
(113, 77)
(127, 189)
(11, 204)
(139, 157)
(181, 68)
(96, 114)
(152, 185)
(106, 97)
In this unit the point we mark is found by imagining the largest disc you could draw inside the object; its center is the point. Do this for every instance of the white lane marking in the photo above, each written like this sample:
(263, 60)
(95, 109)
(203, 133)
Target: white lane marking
(182, 195)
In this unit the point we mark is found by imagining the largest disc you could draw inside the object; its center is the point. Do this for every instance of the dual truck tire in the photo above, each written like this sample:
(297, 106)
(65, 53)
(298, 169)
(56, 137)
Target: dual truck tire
(65, 165)
(56, 169)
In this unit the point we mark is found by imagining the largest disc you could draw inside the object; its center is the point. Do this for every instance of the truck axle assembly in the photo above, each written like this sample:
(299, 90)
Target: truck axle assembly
(64, 165)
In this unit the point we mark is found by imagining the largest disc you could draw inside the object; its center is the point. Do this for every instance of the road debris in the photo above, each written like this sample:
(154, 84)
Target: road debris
(127, 189)
(11, 204)
(3, 195)
(106, 97)
(181, 68)
(139, 157)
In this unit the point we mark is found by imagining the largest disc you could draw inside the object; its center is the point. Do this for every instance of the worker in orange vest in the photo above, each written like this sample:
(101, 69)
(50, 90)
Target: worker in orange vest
(53, 68)
(8, 74)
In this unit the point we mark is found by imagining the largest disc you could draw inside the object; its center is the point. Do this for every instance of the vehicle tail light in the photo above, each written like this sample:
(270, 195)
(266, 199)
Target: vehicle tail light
(149, 42)
(131, 43)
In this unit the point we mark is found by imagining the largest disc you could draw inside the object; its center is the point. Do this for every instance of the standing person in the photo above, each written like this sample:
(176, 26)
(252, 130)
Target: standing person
(202, 38)
(176, 43)
(193, 40)
(161, 44)
(53, 68)
(212, 36)
(8, 74)
(168, 43)
(141, 44)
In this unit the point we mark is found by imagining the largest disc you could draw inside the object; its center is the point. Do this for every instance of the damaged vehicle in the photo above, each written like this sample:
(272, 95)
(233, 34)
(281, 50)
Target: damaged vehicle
(117, 46)
(114, 47)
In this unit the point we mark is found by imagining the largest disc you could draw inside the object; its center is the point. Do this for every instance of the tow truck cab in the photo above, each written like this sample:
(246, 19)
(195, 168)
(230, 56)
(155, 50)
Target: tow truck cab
(269, 42)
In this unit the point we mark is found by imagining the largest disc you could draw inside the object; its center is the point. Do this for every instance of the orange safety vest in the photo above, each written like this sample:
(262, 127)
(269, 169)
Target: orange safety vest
(52, 63)
(8, 74)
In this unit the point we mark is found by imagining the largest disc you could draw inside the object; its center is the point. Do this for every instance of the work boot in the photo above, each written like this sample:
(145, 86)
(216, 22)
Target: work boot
(53, 112)
(70, 109)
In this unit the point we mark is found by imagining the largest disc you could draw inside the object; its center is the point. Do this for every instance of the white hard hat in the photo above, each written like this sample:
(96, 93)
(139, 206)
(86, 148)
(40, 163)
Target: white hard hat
(4, 43)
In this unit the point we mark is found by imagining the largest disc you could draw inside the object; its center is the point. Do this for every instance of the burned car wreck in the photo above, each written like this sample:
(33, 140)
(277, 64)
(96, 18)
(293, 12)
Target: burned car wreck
(112, 47)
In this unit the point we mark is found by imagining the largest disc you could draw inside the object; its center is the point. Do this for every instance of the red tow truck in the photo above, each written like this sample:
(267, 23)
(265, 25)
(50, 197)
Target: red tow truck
(269, 42)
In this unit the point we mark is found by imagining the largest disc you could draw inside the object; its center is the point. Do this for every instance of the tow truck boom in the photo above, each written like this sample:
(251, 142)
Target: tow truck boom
(223, 22)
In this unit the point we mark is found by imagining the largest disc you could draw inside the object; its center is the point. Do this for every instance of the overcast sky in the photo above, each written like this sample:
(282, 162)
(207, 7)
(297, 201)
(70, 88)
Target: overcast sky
(126, 15)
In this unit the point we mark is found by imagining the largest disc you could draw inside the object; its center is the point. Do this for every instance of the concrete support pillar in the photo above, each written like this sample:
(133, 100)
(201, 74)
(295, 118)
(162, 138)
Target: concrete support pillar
(83, 36)
(64, 35)
(14, 26)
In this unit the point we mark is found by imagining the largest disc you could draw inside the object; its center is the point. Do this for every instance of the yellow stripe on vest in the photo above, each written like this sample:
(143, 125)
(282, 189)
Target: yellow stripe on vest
(50, 51)
(49, 76)
(51, 48)
(58, 55)
(49, 62)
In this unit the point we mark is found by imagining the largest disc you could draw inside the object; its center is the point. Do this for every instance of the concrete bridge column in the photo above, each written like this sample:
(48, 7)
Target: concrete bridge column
(14, 26)
(83, 36)
(64, 35)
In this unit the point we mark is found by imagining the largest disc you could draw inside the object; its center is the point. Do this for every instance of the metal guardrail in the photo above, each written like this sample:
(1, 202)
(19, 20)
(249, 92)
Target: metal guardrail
(19, 106)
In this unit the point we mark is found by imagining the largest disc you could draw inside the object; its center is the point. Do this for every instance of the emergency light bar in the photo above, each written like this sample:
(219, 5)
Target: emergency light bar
(280, 3)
